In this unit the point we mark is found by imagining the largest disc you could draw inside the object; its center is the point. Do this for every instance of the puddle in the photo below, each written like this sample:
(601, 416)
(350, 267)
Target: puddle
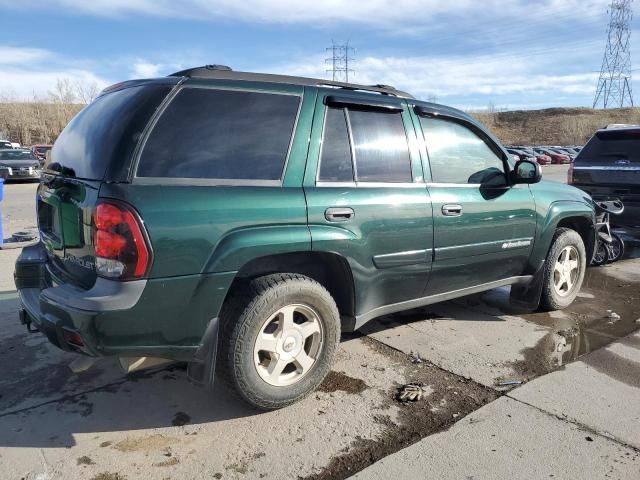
(581, 328)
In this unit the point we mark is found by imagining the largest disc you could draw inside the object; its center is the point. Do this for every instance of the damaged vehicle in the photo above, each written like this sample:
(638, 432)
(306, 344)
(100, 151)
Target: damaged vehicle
(241, 221)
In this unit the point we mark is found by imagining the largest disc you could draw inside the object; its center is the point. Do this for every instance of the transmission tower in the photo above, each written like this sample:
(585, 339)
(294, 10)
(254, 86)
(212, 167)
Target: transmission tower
(340, 59)
(614, 84)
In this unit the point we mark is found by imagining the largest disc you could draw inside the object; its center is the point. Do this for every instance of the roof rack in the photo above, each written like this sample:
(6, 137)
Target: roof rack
(222, 72)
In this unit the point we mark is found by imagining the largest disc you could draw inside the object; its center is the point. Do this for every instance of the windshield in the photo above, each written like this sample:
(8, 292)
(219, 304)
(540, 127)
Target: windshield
(16, 155)
(42, 149)
(611, 146)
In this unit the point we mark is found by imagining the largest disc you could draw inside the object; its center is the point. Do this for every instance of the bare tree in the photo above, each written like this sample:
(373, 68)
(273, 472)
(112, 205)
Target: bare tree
(86, 91)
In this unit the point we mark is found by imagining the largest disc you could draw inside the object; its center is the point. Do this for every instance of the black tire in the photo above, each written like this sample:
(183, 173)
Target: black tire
(601, 255)
(551, 299)
(616, 249)
(242, 319)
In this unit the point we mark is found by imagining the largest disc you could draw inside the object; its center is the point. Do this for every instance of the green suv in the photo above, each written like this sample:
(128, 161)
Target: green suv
(240, 222)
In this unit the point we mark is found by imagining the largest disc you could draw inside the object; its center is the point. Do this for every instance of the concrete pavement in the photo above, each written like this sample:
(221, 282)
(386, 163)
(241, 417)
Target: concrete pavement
(576, 423)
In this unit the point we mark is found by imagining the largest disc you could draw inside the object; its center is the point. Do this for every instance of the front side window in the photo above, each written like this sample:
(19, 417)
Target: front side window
(221, 134)
(458, 155)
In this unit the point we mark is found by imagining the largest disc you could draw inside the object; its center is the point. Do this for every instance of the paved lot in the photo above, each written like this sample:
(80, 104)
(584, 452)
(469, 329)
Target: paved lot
(102, 425)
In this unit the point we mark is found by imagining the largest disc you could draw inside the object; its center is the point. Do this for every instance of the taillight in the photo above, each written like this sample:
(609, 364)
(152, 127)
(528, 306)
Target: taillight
(570, 174)
(122, 250)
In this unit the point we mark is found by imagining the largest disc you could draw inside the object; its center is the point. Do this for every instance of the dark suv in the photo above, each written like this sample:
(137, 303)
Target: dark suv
(609, 167)
(241, 222)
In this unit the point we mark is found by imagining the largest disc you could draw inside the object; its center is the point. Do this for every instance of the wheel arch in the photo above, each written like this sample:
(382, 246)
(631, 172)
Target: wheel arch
(330, 269)
(575, 215)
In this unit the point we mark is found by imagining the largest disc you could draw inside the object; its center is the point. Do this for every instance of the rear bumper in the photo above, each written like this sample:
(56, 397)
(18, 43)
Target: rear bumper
(164, 318)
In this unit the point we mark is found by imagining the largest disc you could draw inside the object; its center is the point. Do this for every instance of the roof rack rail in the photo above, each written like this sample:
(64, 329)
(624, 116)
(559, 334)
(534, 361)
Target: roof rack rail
(222, 72)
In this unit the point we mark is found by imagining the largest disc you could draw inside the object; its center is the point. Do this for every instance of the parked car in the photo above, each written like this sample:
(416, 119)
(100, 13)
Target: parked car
(5, 144)
(40, 151)
(609, 166)
(259, 216)
(19, 165)
(555, 157)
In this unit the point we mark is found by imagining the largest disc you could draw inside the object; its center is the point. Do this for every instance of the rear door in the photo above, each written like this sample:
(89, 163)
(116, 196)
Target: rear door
(483, 228)
(609, 166)
(366, 197)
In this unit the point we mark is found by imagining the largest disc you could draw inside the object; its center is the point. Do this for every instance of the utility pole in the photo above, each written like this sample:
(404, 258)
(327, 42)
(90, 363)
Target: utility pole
(341, 56)
(614, 85)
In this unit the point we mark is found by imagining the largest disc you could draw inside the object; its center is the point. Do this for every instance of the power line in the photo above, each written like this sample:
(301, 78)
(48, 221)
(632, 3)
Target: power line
(614, 84)
(341, 57)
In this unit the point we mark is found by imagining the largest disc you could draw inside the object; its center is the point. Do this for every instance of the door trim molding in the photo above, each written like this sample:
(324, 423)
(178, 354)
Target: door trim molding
(360, 320)
(403, 259)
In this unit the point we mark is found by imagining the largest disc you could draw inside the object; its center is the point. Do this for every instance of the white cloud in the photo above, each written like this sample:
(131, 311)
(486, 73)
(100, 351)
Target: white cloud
(29, 72)
(10, 55)
(370, 12)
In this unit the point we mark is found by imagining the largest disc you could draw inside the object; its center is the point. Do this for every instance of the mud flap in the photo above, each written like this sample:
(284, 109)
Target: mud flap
(527, 296)
(202, 368)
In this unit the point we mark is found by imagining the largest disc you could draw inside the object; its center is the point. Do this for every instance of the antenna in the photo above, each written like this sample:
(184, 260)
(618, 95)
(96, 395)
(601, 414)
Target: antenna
(614, 84)
(341, 56)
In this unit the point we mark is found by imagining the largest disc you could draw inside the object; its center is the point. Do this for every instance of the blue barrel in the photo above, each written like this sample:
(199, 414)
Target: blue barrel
(1, 197)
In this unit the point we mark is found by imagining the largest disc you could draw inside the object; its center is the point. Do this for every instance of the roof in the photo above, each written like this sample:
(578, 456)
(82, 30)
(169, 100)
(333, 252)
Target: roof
(221, 72)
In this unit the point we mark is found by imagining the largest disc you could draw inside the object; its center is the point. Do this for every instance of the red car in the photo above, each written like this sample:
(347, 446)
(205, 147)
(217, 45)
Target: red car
(40, 151)
(556, 157)
(543, 159)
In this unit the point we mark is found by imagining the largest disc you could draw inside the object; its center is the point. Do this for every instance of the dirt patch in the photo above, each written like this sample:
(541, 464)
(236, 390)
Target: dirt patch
(450, 399)
(146, 444)
(84, 460)
(180, 419)
(109, 476)
(105, 444)
(166, 463)
(341, 381)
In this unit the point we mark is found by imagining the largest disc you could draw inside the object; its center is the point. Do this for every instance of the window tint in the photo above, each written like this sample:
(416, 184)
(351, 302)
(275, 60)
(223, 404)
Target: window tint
(611, 146)
(381, 150)
(221, 134)
(335, 163)
(458, 155)
(105, 133)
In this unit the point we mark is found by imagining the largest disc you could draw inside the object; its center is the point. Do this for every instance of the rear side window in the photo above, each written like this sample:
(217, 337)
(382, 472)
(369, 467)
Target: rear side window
(377, 139)
(381, 148)
(458, 155)
(105, 132)
(612, 146)
(221, 134)
(335, 162)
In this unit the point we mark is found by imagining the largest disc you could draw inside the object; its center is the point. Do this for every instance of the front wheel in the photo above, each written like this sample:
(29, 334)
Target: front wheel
(564, 270)
(279, 335)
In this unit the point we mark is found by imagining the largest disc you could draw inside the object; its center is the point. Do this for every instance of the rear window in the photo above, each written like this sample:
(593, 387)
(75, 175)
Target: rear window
(107, 130)
(222, 135)
(612, 146)
(16, 155)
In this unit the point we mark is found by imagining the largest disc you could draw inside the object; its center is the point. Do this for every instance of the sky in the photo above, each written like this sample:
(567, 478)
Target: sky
(471, 54)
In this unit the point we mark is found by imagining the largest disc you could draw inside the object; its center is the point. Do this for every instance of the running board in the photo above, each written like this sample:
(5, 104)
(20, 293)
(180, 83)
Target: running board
(360, 320)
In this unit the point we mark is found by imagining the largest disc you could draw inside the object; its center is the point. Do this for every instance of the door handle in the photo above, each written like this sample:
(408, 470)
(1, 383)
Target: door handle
(452, 210)
(339, 214)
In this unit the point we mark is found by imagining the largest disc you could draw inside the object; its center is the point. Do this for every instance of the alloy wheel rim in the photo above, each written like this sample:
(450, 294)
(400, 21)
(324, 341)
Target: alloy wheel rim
(288, 345)
(566, 270)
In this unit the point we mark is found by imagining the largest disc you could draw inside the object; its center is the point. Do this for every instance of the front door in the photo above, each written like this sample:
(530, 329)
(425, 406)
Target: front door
(366, 197)
(484, 228)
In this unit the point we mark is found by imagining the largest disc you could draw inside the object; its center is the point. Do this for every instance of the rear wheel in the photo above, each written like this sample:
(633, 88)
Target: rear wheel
(564, 270)
(279, 335)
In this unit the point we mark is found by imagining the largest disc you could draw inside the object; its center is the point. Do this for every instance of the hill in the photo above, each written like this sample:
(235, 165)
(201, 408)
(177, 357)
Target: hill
(553, 126)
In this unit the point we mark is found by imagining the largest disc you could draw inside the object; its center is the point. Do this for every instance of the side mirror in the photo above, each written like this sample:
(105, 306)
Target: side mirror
(526, 171)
